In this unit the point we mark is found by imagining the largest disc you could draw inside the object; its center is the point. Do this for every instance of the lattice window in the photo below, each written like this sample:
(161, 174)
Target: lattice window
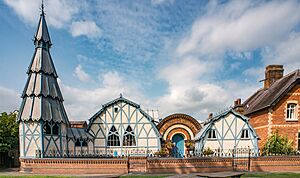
(129, 138)
(291, 111)
(113, 137)
(245, 134)
(212, 134)
(51, 128)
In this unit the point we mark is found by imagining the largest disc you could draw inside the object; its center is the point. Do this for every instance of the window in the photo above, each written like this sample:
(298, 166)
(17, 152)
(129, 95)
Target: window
(245, 134)
(298, 140)
(51, 128)
(55, 129)
(212, 134)
(84, 143)
(116, 109)
(291, 111)
(129, 139)
(47, 128)
(113, 137)
(77, 143)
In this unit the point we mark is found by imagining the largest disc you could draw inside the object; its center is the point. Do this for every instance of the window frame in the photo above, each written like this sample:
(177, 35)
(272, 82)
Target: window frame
(212, 134)
(288, 111)
(113, 137)
(245, 132)
(129, 137)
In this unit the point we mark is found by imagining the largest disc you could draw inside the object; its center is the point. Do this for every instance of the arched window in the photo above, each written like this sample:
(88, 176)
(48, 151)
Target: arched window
(291, 111)
(77, 143)
(47, 128)
(84, 143)
(51, 128)
(55, 129)
(113, 137)
(129, 139)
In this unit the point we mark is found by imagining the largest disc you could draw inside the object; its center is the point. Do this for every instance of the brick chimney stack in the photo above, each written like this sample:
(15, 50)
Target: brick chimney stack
(272, 74)
(237, 106)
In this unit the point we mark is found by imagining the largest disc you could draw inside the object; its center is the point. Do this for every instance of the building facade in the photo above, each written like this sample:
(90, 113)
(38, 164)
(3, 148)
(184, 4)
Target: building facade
(122, 128)
(276, 106)
(225, 132)
(180, 129)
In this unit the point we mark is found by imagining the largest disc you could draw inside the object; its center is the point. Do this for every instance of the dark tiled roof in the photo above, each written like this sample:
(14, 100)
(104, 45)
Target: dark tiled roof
(42, 98)
(265, 98)
(79, 133)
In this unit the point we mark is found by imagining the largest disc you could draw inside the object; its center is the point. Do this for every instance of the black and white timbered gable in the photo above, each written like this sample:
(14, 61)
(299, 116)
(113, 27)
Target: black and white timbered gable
(123, 128)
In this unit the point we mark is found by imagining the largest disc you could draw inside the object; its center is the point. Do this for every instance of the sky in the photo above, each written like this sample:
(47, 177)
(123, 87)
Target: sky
(174, 56)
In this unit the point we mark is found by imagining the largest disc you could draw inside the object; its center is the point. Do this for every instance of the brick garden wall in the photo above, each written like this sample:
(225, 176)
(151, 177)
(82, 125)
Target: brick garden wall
(74, 166)
(188, 165)
(155, 165)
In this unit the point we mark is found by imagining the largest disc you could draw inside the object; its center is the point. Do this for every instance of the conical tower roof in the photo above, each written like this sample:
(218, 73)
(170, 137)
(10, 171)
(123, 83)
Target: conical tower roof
(42, 98)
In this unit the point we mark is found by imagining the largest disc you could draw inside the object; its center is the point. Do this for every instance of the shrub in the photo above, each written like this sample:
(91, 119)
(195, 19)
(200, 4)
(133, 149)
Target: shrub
(278, 144)
(207, 151)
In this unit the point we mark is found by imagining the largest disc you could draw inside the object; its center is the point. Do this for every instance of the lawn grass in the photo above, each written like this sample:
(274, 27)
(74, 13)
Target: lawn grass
(34, 176)
(272, 175)
(141, 176)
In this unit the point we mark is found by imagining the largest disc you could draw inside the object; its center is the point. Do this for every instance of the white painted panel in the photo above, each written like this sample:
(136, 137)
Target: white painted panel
(212, 144)
(152, 133)
(142, 142)
(152, 142)
(99, 142)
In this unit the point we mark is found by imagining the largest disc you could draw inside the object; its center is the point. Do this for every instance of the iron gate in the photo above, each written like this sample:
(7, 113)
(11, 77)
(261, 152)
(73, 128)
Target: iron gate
(241, 159)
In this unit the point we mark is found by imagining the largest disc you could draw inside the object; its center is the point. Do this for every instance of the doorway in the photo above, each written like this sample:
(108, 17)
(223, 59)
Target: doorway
(178, 140)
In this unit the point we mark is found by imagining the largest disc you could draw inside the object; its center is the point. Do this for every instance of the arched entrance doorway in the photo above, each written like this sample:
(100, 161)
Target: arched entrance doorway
(178, 140)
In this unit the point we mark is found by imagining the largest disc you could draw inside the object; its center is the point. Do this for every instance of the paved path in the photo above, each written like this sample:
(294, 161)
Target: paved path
(15, 172)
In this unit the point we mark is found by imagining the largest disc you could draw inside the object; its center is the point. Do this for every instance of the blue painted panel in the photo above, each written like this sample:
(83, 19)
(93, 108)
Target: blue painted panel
(178, 139)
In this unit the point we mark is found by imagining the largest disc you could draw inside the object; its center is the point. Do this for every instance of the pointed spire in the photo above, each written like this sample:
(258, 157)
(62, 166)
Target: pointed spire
(42, 98)
(42, 34)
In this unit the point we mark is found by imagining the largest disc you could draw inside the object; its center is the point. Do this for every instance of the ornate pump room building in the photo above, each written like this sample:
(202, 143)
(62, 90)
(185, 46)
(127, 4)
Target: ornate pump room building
(120, 128)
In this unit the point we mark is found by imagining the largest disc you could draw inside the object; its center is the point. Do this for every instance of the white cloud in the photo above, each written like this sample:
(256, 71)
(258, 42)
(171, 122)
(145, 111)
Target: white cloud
(9, 100)
(287, 52)
(241, 26)
(58, 12)
(82, 75)
(81, 104)
(85, 28)
(234, 29)
(187, 92)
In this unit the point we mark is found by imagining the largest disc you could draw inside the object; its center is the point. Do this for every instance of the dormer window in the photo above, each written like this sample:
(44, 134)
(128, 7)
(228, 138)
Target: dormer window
(212, 134)
(291, 112)
(245, 134)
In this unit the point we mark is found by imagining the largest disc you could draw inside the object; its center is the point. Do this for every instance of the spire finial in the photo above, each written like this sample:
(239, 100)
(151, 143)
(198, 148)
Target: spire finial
(42, 7)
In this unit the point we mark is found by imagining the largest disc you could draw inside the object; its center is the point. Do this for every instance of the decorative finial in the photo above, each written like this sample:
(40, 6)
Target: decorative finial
(121, 95)
(42, 7)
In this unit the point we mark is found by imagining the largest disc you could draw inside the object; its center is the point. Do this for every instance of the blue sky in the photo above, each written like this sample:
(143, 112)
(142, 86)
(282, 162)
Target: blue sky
(174, 56)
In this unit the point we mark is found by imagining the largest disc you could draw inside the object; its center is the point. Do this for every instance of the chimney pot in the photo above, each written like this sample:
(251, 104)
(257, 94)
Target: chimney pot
(237, 102)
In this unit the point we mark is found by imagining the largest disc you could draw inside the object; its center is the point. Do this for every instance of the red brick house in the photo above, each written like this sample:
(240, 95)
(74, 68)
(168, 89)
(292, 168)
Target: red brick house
(276, 105)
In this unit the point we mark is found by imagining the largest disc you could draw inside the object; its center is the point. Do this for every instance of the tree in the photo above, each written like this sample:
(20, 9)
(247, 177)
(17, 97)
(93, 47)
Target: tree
(278, 144)
(9, 132)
